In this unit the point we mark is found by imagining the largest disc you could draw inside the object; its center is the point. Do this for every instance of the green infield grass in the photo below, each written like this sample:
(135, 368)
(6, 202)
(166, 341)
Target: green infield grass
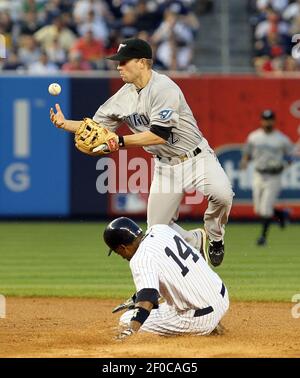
(70, 259)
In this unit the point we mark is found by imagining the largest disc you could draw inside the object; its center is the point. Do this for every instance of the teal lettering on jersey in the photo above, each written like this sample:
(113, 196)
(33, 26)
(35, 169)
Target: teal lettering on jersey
(136, 120)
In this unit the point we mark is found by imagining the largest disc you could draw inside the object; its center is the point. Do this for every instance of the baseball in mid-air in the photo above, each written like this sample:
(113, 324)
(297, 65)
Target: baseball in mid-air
(54, 89)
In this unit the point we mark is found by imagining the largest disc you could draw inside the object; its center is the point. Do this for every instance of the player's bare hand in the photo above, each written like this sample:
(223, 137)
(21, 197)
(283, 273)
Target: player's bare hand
(58, 118)
(124, 334)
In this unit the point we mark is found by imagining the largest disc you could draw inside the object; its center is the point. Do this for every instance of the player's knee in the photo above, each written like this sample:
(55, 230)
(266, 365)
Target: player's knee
(266, 214)
(225, 197)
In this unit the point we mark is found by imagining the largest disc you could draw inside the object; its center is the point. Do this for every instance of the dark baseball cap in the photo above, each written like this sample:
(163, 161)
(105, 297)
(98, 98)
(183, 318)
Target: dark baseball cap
(267, 114)
(132, 48)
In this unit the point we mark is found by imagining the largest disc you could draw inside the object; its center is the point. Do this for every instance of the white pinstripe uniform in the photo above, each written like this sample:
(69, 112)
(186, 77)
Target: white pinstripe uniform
(163, 104)
(165, 262)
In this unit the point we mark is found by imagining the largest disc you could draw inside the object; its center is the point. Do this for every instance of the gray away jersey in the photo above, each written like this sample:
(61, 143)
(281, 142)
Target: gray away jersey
(177, 271)
(160, 103)
(265, 148)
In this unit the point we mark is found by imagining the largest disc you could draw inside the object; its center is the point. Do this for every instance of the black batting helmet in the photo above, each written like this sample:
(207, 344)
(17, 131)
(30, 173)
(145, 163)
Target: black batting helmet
(267, 114)
(121, 231)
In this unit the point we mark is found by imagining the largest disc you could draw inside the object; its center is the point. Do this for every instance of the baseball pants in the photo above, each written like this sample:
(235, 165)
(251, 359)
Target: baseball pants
(166, 321)
(266, 189)
(202, 172)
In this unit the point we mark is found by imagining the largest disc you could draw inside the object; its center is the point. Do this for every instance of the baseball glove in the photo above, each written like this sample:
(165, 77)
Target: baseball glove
(94, 139)
(129, 304)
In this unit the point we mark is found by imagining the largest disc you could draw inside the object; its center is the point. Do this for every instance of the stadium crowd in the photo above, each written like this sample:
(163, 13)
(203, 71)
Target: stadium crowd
(46, 36)
(275, 22)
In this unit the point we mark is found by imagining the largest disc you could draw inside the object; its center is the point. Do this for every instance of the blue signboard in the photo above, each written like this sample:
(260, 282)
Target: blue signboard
(34, 161)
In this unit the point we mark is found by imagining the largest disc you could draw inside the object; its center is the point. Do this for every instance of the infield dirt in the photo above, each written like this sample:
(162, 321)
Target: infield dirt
(67, 327)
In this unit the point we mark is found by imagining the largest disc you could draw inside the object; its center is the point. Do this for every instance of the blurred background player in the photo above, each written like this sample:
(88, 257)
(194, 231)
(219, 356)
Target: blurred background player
(269, 149)
(163, 264)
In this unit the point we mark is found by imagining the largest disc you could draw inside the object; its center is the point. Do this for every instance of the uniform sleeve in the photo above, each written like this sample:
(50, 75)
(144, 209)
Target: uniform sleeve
(110, 113)
(108, 116)
(165, 107)
(144, 273)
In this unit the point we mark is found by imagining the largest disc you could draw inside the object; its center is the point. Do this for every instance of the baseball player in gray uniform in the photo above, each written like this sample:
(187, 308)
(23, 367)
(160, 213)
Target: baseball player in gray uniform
(155, 110)
(270, 150)
(164, 265)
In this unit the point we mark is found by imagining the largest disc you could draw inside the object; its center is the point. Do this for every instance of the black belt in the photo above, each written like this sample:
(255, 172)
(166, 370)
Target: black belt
(183, 157)
(275, 171)
(209, 309)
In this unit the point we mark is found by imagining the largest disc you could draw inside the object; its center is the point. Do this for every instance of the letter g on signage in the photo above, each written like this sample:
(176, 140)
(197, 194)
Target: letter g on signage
(16, 177)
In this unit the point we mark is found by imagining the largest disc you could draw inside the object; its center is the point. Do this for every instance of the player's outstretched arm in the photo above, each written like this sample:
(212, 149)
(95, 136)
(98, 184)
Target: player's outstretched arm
(58, 119)
(146, 138)
(140, 314)
(244, 161)
(95, 139)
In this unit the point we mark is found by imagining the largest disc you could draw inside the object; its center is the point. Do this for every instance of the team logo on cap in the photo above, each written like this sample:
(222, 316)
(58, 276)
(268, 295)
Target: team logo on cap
(165, 114)
(121, 45)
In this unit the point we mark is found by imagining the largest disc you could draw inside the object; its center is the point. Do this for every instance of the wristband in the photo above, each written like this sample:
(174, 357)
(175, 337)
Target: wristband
(140, 314)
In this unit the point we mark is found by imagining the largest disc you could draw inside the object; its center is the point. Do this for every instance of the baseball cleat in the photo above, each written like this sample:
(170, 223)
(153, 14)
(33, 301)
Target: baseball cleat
(216, 252)
(261, 241)
(284, 219)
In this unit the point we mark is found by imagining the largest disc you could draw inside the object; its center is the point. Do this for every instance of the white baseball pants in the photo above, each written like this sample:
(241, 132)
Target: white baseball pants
(167, 321)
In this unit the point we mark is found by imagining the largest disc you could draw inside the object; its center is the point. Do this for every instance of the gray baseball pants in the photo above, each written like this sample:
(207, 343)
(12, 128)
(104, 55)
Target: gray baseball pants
(266, 189)
(202, 172)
